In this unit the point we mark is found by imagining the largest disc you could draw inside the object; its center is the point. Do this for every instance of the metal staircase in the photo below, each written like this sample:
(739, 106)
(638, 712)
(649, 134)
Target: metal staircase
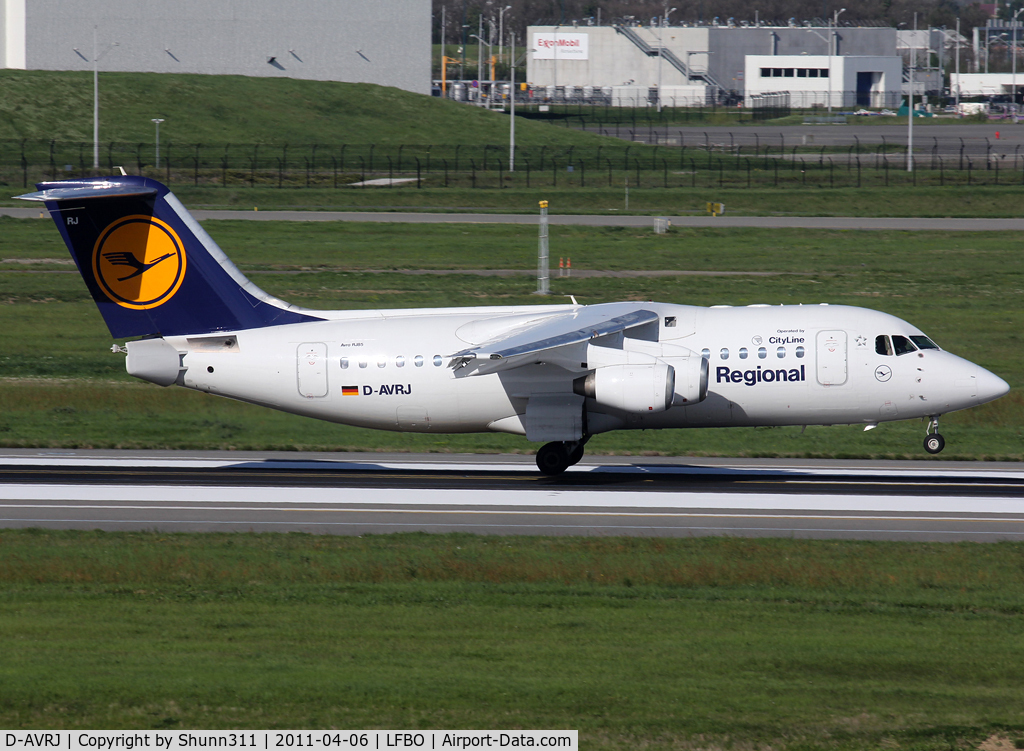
(666, 54)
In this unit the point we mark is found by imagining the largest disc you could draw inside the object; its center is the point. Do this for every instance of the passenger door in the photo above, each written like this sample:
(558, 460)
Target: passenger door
(831, 358)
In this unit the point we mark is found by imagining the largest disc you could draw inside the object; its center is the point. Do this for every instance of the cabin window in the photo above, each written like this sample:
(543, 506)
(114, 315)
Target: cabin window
(902, 345)
(743, 353)
(418, 361)
(382, 362)
(923, 342)
(344, 363)
(799, 352)
(705, 353)
(724, 354)
(670, 322)
(362, 363)
(762, 353)
(882, 345)
(437, 361)
(780, 352)
(400, 361)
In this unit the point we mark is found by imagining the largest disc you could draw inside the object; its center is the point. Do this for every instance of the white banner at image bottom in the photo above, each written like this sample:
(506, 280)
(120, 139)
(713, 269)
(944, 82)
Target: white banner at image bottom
(285, 740)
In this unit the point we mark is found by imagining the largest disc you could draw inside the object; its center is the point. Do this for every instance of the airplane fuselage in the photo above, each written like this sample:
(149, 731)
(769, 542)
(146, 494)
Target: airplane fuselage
(778, 365)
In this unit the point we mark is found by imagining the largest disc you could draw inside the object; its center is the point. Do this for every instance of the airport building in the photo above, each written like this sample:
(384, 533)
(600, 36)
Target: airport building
(842, 81)
(988, 85)
(626, 65)
(385, 42)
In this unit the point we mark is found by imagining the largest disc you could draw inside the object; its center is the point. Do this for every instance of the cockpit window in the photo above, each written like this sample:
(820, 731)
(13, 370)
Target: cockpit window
(902, 345)
(923, 342)
(882, 345)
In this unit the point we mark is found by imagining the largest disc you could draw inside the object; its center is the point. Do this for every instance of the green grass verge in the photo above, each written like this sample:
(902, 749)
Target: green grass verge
(701, 643)
(963, 289)
(896, 201)
(241, 110)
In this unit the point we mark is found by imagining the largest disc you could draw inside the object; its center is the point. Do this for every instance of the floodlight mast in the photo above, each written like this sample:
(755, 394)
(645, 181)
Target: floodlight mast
(910, 100)
(512, 106)
(1013, 47)
(831, 45)
(96, 97)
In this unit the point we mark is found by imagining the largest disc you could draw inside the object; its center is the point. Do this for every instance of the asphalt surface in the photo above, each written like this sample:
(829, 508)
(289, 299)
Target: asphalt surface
(931, 137)
(601, 220)
(374, 493)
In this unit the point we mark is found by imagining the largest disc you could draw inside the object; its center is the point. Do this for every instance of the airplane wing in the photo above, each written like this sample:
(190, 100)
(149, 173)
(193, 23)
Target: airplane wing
(539, 339)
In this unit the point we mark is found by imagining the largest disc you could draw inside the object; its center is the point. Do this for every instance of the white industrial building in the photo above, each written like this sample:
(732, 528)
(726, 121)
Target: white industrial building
(986, 84)
(385, 42)
(826, 81)
(686, 65)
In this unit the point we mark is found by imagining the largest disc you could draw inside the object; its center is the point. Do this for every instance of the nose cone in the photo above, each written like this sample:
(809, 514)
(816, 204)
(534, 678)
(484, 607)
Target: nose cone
(990, 386)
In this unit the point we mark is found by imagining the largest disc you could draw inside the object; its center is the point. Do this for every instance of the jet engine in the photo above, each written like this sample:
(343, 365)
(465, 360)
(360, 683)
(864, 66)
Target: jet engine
(692, 374)
(647, 387)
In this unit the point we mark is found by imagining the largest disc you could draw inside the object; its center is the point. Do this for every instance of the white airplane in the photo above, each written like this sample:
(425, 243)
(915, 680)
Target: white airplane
(556, 374)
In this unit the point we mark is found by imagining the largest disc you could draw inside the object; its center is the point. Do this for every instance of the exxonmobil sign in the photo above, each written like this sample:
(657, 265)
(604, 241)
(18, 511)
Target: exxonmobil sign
(560, 45)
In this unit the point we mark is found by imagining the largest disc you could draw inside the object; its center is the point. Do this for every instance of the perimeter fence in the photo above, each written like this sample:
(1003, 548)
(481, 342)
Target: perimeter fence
(668, 160)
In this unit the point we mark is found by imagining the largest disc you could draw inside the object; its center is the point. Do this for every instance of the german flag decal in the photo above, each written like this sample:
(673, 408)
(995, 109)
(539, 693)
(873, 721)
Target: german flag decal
(350, 391)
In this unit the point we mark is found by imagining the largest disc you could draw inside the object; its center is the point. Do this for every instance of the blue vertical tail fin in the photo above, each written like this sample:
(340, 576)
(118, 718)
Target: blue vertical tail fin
(150, 266)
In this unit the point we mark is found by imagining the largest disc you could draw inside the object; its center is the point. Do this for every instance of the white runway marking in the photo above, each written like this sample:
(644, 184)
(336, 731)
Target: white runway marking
(432, 497)
(531, 512)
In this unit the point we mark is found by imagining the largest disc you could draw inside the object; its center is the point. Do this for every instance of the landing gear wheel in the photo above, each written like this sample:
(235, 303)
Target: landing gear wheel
(934, 443)
(553, 459)
(576, 454)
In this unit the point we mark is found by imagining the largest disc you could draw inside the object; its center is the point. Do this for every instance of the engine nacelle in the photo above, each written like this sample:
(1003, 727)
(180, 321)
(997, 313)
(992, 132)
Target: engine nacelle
(692, 375)
(647, 387)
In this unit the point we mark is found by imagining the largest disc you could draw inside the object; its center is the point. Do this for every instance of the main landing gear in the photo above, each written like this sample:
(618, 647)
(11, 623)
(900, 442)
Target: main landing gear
(554, 458)
(933, 442)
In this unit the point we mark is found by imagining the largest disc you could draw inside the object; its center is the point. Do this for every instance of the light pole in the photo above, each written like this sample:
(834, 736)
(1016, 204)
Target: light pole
(661, 48)
(958, 66)
(501, 31)
(156, 121)
(96, 98)
(1013, 51)
(479, 83)
(512, 108)
(554, 66)
(831, 49)
(479, 52)
(910, 108)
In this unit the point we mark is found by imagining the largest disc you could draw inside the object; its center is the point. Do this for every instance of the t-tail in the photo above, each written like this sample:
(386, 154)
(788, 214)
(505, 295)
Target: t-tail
(149, 265)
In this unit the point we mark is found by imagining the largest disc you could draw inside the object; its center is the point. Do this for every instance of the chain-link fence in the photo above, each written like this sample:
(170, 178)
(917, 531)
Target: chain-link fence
(666, 160)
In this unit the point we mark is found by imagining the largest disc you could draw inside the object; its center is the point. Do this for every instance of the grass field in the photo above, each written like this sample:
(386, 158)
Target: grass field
(978, 201)
(674, 644)
(963, 289)
(237, 109)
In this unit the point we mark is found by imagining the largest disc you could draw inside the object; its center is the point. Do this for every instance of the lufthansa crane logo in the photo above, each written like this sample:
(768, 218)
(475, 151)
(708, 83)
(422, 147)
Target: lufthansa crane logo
(139, 262)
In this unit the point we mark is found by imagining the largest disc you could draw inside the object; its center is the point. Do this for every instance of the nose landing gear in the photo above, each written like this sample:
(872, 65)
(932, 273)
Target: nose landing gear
(933, 442)
(554, 458)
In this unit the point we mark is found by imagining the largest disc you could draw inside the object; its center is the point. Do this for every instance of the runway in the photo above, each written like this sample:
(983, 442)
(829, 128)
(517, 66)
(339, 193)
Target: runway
(351, 494)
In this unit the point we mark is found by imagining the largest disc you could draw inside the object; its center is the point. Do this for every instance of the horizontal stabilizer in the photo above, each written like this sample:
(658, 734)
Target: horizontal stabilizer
(73, 190)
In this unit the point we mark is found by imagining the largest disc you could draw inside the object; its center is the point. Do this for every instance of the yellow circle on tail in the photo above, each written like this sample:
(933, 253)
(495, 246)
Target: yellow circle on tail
(139, 262)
